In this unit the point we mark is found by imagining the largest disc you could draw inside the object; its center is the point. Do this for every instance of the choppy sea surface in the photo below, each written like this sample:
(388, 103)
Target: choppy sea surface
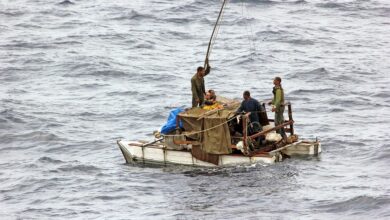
(76, 76)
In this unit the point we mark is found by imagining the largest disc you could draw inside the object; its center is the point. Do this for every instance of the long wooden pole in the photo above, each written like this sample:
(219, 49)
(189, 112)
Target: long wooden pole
(212, 34)
(290, 118)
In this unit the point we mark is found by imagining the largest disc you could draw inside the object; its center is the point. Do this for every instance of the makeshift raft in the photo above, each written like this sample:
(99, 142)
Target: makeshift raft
(158, 154)
(220, 138)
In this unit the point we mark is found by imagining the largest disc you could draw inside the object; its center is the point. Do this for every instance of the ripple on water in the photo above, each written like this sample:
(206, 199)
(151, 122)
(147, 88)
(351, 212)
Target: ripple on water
(76, 77)
(50, 160)
(78, 168)
(357, 205)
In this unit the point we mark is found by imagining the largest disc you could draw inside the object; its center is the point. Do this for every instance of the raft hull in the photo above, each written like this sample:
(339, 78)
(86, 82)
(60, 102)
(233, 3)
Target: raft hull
(157, 154)
(303, 148)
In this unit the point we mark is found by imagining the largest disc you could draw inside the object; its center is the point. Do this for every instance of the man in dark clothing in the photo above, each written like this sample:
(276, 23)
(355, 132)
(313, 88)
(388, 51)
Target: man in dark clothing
(197, 85)
(251, 105)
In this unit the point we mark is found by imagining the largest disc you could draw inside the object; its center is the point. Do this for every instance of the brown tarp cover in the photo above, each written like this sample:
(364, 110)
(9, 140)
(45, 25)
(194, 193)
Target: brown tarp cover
(215, 138)
(199, 154)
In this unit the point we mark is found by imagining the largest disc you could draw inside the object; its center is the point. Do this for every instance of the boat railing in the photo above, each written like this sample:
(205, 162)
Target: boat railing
(288, 127)
(247, 137)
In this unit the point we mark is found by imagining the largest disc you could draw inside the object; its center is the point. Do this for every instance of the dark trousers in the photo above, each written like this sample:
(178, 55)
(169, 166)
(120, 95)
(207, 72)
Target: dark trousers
(279, 119)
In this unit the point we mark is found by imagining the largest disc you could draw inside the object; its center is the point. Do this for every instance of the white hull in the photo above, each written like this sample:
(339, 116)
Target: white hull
(158, 154)
(303, 148)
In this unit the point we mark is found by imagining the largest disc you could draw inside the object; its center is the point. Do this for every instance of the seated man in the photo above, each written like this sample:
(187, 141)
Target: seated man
(251, 105)
(210, 97)
(210, 102)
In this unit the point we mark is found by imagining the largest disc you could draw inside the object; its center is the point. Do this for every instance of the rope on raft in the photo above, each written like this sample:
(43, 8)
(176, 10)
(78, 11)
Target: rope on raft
(214, 33)
(198, 132)
(205, 130)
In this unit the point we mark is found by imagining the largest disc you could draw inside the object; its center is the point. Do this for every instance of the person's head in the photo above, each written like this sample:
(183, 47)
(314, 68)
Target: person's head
(200, 71)
(246, 95)
(277, 81)
(208, 95)
(212, 94)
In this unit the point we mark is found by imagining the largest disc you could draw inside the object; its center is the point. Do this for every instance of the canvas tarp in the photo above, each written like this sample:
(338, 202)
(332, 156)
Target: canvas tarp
(190, 122)
(171, 122)
(211, 128)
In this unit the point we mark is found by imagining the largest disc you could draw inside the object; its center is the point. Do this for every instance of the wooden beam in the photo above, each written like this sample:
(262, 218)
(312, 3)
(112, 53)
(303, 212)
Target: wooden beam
(244, 131)
(179, 142)
(290, 118)
(284, 147)
(262, 133)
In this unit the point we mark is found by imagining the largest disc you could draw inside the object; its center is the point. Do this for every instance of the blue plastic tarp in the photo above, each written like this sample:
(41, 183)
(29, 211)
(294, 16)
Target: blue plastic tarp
(171, 122)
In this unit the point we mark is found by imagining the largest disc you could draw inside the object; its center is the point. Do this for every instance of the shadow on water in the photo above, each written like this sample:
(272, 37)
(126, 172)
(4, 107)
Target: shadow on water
(279, 169)
(66, 3)
(357, 205)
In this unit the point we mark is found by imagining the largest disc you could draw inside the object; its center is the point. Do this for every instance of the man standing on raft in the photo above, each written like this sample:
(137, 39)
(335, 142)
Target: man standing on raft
(197, 85)
(278, 105)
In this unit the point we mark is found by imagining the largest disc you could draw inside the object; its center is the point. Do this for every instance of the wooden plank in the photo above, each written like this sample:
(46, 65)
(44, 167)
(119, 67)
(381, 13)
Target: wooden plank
(262, 133)
(244, 132)
(178, 142)
(284, 147)
(290, 118)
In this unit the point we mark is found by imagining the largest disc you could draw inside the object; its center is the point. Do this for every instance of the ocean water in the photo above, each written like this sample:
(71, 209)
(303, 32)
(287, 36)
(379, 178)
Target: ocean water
(76, 76)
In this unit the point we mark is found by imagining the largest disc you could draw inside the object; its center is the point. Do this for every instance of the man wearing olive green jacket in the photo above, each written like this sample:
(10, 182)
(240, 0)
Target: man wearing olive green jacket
(278, 105)
(198, 87)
